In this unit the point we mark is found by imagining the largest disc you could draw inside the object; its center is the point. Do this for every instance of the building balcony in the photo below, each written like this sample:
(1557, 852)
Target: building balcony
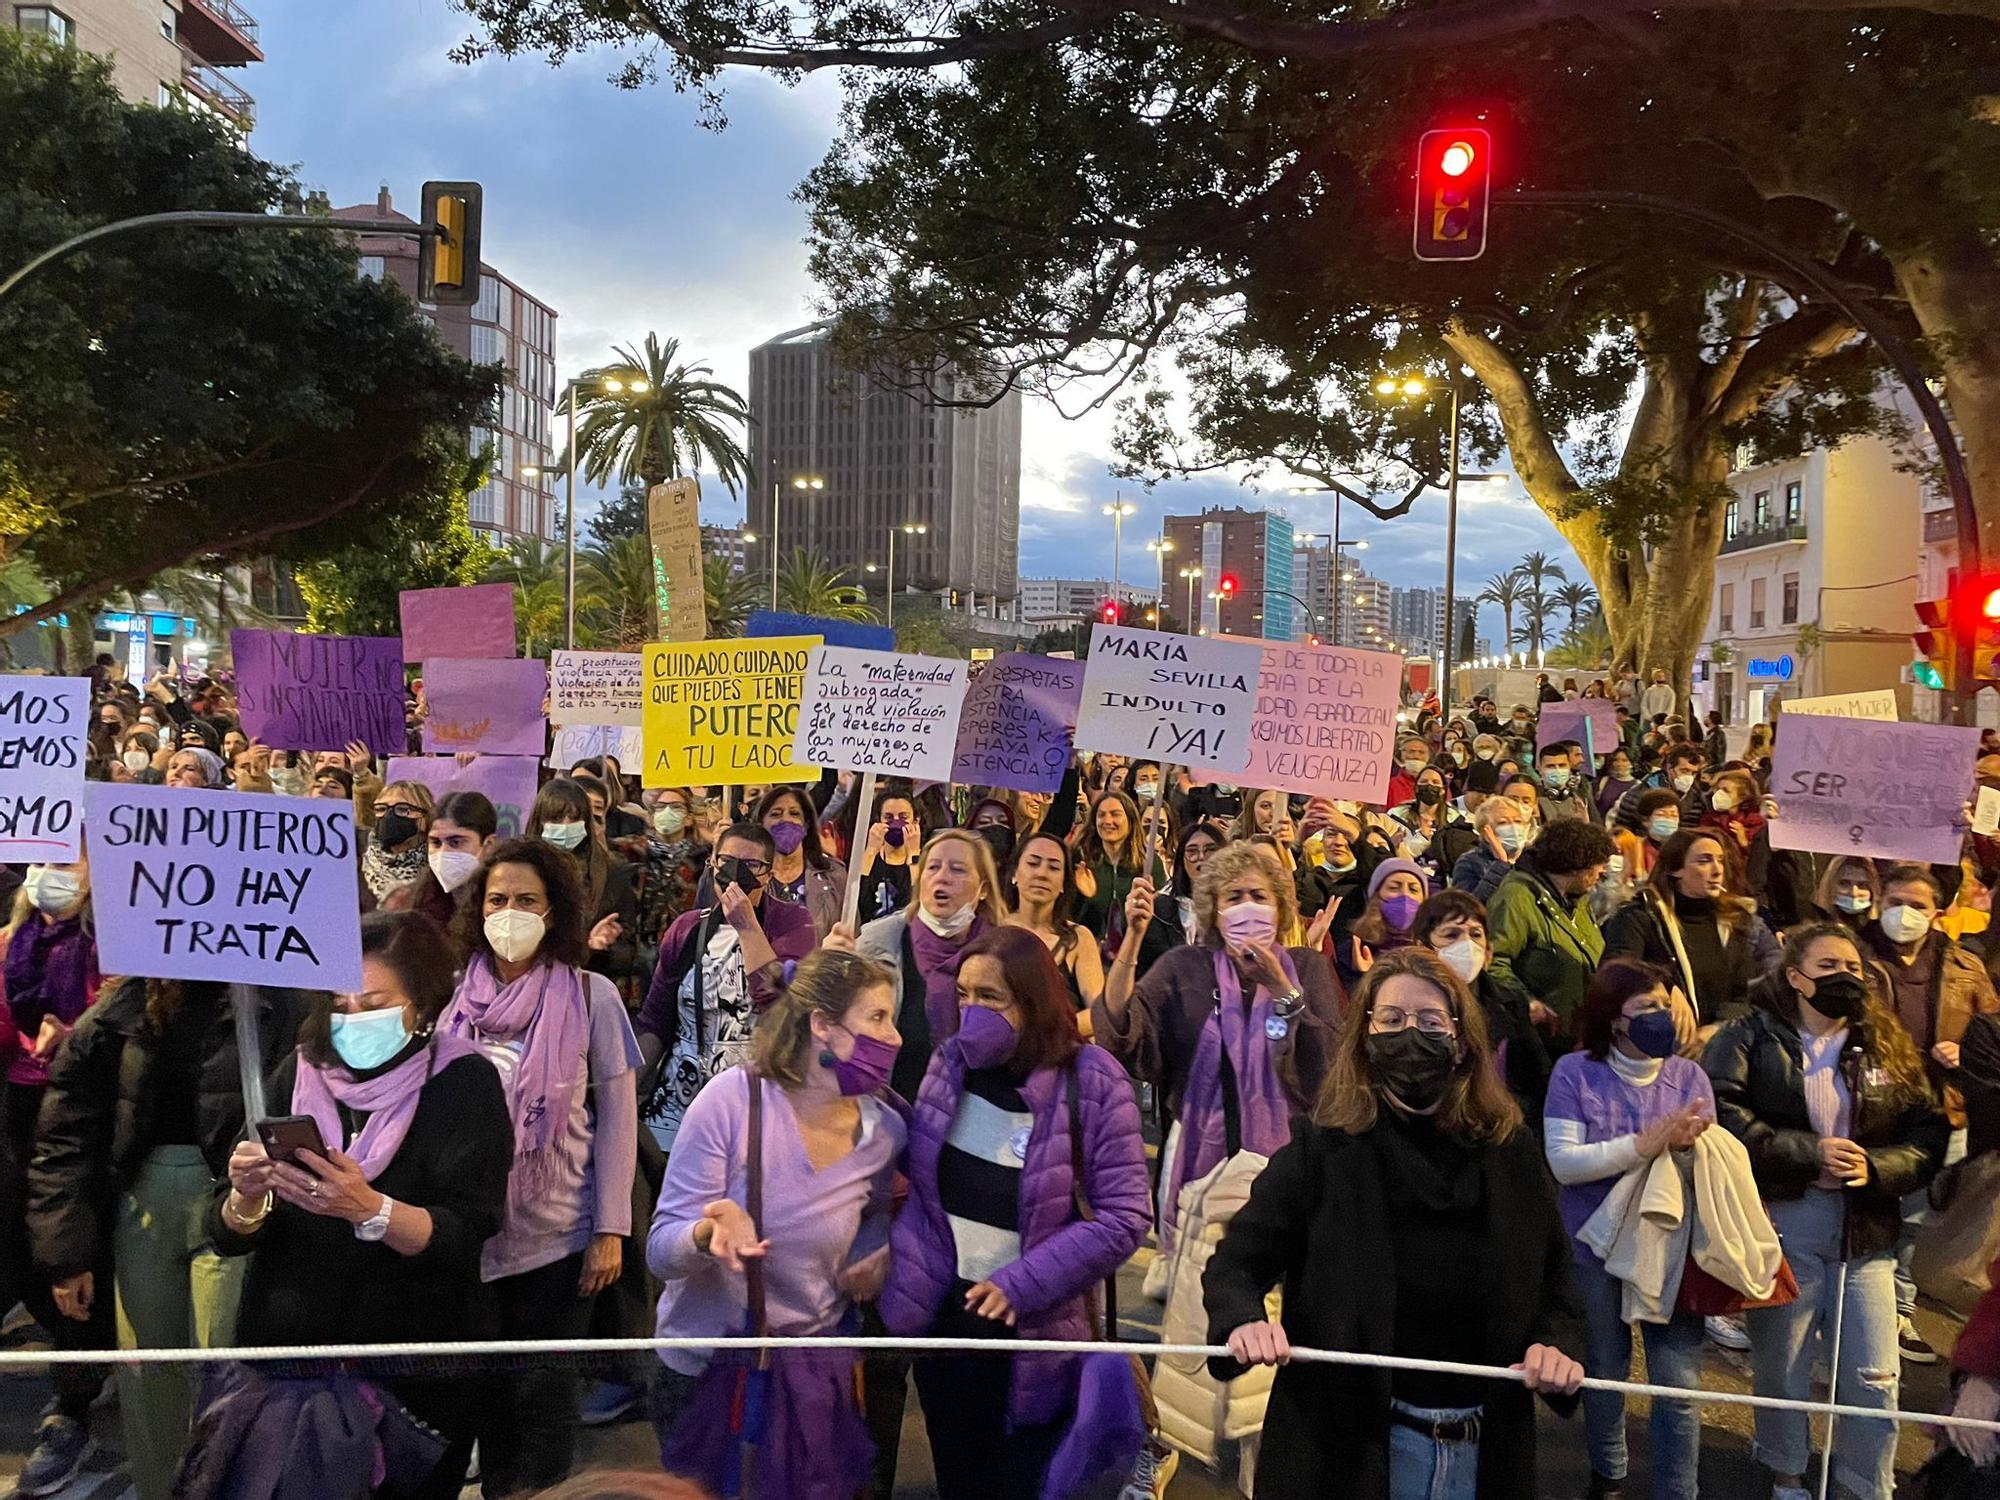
(1940, 526)
(1766, 536)
(211, 88)
(220, 32)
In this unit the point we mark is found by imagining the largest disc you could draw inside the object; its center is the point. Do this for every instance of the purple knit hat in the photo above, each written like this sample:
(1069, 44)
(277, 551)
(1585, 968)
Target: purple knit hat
(1390, 867)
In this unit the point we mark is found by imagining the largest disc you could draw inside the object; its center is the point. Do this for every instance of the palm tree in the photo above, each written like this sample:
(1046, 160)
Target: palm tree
(1506, 590)
(1538, 569)
(682, 419)
(1536, 610)
(730, 597)
(624, 620)
(1579, 599)
(807, 586)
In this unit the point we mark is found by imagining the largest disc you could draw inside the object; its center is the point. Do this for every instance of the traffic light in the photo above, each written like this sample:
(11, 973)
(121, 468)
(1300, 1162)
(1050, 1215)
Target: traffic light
(448, 263)
(1937, 646)
(1108, 612)
(1985, 636)
(1226, 586)
(1454, 187)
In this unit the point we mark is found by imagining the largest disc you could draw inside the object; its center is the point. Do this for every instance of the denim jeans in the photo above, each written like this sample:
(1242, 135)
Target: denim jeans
(1916, 1210)
(1421, 1469)
(1673, 1357)
(1782, 1349)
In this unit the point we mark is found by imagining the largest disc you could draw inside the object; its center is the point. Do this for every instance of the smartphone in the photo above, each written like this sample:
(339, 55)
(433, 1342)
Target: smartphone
(285, 1136)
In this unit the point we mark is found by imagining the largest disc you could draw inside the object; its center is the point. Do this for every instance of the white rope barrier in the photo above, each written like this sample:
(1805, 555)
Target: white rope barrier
(500, 1348)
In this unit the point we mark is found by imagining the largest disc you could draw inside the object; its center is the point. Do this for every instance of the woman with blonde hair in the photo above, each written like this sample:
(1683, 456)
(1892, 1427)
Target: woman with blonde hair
(955, 898)
(394, 854)
(1237, 1032)
(1413, 1218)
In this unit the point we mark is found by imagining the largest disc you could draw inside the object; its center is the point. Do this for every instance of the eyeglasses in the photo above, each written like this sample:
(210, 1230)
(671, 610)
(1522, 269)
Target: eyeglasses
(758, 867)
(407, 809)
(1395, 1018)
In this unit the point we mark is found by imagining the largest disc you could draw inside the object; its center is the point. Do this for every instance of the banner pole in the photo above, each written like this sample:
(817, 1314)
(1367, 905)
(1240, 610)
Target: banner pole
(1156, 817)
(864, 813)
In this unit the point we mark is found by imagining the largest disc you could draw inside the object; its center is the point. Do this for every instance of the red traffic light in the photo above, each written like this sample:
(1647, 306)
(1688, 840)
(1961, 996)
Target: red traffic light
(1454, 186)
(1226, 586)
(1990, 605)
(1108, 613)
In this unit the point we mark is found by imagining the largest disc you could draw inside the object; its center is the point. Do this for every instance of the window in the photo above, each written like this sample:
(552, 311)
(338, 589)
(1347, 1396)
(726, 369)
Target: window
(1757, 603)
(488, 308)
(1761, 513)
(487, 345)
(1793, 503)
(480, 506)
(45, 20)
(1789, 609)
(1732, 520)
(168, 22)
(1728, 607)
(372, 267)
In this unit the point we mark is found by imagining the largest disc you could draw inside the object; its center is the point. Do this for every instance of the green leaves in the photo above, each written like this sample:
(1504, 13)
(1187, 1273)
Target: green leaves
(680, 420)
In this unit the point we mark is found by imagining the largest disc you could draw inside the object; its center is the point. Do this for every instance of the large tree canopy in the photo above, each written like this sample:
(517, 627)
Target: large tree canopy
(201, 394)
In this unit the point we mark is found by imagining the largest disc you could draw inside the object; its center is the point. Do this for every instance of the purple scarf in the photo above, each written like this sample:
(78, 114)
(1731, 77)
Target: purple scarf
(937, 960)
(1265, 1112)
(545, 1011)
(49, 968)
(388, 1099)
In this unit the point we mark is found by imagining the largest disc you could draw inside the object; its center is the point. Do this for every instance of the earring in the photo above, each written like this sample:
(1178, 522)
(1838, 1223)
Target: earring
(826, 1058)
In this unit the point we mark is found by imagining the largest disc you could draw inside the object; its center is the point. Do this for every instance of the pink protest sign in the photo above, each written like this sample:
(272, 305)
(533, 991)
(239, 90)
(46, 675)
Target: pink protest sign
(1017, 723)
(1325, 721)
(462, 622)
(1862, 786)
(507, 781)
(1566, 721)
(319, 692)
(492, 707)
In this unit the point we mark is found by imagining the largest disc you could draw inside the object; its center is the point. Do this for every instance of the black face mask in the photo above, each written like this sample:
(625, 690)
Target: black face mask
(395, 828)
(1838, 997)
(1413, 1065)
(1429, 796)
(731, 870)
(1000, 839)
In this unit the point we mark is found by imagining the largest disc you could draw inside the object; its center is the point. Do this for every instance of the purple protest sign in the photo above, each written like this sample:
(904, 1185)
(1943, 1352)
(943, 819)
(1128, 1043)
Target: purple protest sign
(224, 886)
(1018, 721)
(507, 781)
(461, 622)
(492, 707)
(1862, 786)
(319, 692)
(1566, 721)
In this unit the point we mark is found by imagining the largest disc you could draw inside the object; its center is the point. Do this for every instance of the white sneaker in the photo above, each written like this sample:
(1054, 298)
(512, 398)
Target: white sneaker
(1729, 1333)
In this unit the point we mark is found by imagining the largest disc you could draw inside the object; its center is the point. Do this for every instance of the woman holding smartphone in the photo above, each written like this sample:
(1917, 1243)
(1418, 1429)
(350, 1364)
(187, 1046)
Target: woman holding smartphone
(403, 1178)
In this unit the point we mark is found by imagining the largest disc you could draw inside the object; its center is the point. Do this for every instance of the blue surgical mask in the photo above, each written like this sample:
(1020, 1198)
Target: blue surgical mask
(365, 1039)
(1556, 776)
(1652, 1032)
(1854, 901)
(1512, 836)
(1663, 829)
(563, 835)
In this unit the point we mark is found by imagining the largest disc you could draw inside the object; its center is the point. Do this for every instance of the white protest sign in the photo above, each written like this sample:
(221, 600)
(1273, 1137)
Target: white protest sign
(596, 687)
(44, 728)
(223, 886)
(1177, 698)
(575, 742)
(1878, 703)
(1986, 813)
(1859, 786)
(880, 711)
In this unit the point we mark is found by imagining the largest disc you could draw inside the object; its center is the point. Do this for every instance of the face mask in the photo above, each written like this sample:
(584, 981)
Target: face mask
(733, 870)
(1904, 924)
(395, 828)
(1411, 767)
(1249, 922)
(1860, 901)
(1429, 796)
(1520, 726)
(515, 935)
(1226, 788)
(669, 818)
(1465, 958)
(892, 836)
(1721, 800)
(1486, 754)
(866, 1069)
(950, 926)
(452, 867)
(1343, 868)
(51, 891)
(1512, 836)
(1000, 839)
(1147, 792)
(1652, 1032)
(136, 760)
(986, 1038)
(1413, 1065)
(787, 836)
(1663, 829)
(1838, 997)
(1557, 777)
(1400, 911)
(1684, 783)
(366, 1039)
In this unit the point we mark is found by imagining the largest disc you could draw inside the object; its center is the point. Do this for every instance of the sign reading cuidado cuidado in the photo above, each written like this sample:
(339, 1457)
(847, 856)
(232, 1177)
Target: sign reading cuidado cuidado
(724, 711)
(223, 886)
(1181, 699)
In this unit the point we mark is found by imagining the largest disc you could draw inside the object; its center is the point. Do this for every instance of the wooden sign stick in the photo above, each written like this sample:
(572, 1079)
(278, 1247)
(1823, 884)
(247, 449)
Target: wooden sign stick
(864, 814)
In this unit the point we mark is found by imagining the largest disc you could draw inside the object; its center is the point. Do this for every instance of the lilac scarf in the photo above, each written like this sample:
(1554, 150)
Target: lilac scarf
(937, 960)
(388, 1099)
(546, 1012)
(48, 973)
(1265, 1112)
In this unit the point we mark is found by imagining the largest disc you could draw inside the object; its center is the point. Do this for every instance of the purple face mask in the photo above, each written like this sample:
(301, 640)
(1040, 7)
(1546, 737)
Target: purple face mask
(985, 1037)
(787, 836)
(1400, 911)
(868, 1068)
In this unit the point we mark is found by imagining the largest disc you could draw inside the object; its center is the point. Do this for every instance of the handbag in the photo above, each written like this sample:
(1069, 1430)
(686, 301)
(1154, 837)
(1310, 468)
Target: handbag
(1707, 1296)
(783, 1424)
(1956, 1248)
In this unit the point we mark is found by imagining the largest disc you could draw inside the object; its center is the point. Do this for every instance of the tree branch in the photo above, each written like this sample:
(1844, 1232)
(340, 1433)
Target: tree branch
(1537, 460)
(1774, 359)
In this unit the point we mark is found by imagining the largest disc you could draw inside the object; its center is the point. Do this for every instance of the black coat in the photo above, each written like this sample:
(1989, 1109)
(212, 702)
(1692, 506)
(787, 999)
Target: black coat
(1508, 1020)
(1638, 930)
(96, 1124)
(1318, 1220)
(1757, 1066)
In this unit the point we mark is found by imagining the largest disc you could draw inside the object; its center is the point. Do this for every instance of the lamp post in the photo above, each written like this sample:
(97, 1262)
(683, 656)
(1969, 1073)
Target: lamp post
(801, 482)
(1417, 388)
(1160, 549)
(1118, 510)
(619, 384)
(908, 528)
(1191, 575)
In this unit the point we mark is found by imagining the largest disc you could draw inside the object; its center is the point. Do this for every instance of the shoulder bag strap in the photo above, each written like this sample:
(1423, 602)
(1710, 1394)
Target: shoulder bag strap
(1232, 1107)
(1672, 924)
(1106, 1324)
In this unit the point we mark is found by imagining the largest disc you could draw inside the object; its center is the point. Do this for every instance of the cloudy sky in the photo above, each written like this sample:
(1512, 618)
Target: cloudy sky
(625, 215)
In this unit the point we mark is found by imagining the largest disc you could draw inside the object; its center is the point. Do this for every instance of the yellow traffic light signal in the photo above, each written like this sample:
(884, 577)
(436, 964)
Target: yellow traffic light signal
(448, 267)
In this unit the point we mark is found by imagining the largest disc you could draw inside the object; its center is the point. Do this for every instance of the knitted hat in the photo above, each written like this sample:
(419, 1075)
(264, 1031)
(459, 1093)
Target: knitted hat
(1390, 867)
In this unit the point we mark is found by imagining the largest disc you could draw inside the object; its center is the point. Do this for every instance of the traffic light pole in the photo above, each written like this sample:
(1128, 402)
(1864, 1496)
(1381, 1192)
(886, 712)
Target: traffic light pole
(1870, 322)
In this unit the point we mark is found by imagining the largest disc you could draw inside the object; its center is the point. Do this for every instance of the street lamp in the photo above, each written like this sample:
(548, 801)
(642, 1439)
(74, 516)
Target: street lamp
(1191, 575)
(1161, 548)
(1118, 510)
(628, 383)
(908, 528)
(1416, 388)
(801, 482)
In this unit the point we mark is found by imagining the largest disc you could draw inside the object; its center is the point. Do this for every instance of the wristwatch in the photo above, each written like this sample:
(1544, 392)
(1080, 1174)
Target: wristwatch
(376, 1225)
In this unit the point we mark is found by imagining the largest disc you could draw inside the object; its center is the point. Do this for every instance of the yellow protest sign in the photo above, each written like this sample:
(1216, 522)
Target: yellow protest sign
(724, 712)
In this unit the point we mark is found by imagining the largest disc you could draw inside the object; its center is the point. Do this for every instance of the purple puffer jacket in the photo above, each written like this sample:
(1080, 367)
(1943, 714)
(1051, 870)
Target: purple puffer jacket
(1063, 1257)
